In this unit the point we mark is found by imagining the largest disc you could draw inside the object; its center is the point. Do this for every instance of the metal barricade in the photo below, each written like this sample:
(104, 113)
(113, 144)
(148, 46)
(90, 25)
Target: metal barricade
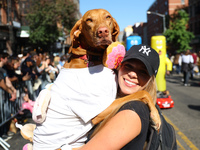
(8, 110)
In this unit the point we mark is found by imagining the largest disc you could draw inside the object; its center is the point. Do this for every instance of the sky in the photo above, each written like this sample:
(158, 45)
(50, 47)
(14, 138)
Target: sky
(125, 12)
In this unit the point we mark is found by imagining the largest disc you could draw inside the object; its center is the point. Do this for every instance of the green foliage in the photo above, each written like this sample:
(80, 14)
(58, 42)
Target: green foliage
(177, 34)
(44, 16)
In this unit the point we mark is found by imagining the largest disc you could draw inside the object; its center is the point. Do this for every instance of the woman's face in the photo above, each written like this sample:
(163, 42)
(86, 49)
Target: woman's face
(132, 76)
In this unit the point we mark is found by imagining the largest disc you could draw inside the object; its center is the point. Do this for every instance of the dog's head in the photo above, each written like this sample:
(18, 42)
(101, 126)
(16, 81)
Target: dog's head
(95, 30)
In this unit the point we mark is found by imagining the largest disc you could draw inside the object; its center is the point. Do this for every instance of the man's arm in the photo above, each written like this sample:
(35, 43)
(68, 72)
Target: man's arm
(4, 86)
(11, 87)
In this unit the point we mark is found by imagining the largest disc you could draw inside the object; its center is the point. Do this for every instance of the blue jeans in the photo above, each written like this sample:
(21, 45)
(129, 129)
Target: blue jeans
(178, 68)
(186, 76)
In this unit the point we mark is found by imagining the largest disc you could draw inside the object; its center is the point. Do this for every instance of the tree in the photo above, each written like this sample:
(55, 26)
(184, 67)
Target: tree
(45, 16)
(177, 34)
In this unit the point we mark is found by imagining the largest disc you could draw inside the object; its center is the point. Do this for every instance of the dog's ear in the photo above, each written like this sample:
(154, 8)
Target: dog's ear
(116, 30)
(75, 32)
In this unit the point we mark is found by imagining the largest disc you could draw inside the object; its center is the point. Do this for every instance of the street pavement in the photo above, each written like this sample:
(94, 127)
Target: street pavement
(184, 116)
(17, 142)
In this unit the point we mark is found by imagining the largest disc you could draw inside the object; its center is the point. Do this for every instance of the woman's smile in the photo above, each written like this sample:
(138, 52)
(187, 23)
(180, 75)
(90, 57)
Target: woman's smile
(129, 83)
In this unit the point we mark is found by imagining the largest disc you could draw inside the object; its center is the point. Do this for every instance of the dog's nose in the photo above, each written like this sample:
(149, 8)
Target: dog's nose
(103, 32)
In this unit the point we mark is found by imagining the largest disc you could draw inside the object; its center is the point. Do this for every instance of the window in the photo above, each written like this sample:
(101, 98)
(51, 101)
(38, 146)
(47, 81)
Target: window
(182, 2)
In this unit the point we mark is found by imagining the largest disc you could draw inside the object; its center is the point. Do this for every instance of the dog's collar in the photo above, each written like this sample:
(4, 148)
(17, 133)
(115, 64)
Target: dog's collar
(88, 59)
(92, 51)
(84, 57)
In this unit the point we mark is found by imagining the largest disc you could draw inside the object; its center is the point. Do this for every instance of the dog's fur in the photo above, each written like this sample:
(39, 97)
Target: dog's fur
(90, 37)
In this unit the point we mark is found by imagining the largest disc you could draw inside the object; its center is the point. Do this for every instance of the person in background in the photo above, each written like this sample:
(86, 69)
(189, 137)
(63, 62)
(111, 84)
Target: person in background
(8, 84)
(195, 58)
(25, 54)
(177, 63)
(186, 60)
(27, 68)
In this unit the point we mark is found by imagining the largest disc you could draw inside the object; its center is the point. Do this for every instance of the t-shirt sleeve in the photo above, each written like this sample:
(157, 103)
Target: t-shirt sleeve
(1, 76)
(3, 73)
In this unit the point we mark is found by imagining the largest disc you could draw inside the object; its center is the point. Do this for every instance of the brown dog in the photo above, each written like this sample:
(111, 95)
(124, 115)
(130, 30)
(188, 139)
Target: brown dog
(90, 37)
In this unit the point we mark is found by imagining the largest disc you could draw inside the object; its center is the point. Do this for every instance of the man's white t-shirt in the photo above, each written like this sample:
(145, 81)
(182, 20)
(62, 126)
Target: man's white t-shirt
(77, 96)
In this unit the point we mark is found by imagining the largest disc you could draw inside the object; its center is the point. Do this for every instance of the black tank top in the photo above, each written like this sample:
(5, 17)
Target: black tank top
(143, 111)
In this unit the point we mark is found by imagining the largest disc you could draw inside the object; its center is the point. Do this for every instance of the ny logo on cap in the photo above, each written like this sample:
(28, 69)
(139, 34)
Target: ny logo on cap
(145, 50)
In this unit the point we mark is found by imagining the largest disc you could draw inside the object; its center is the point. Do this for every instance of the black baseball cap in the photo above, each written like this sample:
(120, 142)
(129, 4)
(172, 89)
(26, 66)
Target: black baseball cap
(147, 55)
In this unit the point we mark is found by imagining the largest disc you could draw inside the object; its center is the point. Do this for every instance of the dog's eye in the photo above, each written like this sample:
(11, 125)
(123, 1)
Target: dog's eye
(108, 17)
(89, 20)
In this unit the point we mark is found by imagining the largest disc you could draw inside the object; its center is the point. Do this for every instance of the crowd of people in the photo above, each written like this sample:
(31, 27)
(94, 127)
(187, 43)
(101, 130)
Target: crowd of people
(25, 76)
(188, 64)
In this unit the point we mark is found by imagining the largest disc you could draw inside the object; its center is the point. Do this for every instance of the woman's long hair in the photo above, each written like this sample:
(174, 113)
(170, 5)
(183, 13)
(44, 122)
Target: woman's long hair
(150, 88)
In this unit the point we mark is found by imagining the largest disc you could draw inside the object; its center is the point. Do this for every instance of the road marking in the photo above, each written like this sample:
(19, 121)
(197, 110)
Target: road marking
(187, 141)
(179, 144)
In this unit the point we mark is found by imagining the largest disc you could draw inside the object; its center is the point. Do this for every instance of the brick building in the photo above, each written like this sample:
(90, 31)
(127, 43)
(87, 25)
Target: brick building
(14, 28)
(9, 25)
(164, 7)
(194, 23)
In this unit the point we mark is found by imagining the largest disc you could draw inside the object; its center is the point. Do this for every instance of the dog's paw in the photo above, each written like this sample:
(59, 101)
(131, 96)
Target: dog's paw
(27, 131)
(114, 55)
(155, 120)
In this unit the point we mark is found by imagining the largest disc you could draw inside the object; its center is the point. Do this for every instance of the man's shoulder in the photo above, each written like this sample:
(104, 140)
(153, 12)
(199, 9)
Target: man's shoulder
(2, 69)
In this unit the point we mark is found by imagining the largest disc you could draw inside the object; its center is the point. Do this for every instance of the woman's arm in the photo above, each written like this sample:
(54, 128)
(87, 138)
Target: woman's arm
(117, 132)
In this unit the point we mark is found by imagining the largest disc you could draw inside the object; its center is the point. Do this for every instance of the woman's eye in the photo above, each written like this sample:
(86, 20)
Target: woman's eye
(143, 71)
(127, 66)
(89, 20)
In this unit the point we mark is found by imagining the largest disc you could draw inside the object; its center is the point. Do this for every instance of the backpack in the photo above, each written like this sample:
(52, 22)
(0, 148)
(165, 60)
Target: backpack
(165, 139)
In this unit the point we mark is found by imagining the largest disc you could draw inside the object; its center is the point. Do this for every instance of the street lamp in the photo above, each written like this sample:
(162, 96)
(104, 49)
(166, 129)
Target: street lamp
(161, 15)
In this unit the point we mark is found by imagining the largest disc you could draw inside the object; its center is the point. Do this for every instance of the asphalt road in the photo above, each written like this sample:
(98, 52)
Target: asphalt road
(185, 116)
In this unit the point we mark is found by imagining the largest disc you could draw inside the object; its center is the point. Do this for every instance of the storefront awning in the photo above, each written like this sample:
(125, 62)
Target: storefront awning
(24, 33)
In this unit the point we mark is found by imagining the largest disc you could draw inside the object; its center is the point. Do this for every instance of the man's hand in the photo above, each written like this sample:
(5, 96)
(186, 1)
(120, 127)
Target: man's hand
(26, 77)
(168, 72)
(13, 96)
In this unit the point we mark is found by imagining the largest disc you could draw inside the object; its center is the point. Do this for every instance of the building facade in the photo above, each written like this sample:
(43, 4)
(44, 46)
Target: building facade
(155, 21)
(9, 25)
(14, 27)
(194, 23)
(141, 30)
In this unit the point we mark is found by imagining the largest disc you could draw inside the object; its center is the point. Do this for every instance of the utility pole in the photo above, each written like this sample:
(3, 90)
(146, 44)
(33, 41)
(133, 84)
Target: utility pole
(161, 15)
